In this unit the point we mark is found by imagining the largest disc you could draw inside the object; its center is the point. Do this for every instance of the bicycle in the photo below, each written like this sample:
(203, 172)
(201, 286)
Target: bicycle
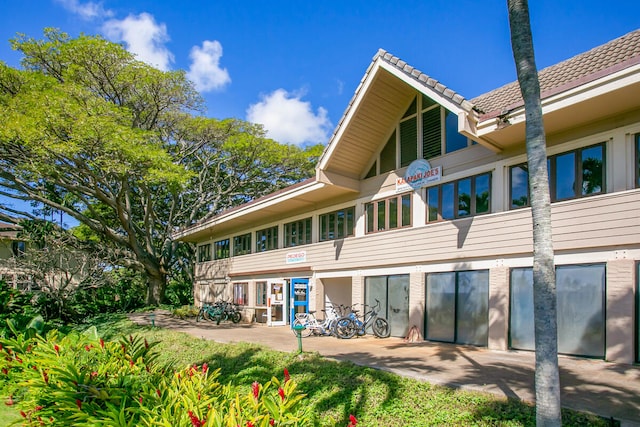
(351, 324)
(219, 311)
(313, 326)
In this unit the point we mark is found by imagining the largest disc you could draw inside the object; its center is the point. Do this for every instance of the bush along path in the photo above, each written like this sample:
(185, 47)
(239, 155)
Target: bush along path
(79, 380)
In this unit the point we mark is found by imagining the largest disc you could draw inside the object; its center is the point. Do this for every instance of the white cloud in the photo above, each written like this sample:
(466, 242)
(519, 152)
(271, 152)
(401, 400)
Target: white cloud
(288, 119)
(205, 71)
(89, 10)
(143, 37)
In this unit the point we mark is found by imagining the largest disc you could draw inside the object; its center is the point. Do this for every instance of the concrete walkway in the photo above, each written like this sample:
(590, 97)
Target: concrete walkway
(607, 389)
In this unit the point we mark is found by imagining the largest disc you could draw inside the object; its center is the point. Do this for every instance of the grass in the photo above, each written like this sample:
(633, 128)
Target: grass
(337, 389)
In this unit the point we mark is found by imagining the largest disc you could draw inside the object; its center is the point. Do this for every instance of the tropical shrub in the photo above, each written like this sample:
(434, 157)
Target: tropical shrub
(79, 379)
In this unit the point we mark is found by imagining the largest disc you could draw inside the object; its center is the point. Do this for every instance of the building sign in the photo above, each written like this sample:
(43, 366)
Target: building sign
(295, 257)
(418, 174)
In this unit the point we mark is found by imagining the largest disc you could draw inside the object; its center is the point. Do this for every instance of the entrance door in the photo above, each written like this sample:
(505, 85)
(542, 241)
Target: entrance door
(277, 303)
(393, 294)
(299, 297)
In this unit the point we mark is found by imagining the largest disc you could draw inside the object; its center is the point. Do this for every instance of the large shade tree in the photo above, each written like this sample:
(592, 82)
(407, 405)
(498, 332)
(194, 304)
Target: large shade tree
(547, 380)
(88, 130)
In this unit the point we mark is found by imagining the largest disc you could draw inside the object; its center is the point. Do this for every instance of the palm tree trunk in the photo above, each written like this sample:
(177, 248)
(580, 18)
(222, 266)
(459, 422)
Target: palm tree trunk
(547, 380)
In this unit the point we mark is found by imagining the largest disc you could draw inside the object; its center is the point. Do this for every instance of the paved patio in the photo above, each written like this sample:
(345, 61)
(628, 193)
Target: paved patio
(596, 386)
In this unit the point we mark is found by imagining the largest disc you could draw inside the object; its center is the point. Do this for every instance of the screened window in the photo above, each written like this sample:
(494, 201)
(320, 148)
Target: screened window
(457, 307)
(574, 174)
(297, 233)
(240, 293)
(261, 294)
(337, 224)
(459, 199)
(267, 239)
(242, 244)
(388, 214)
(204, 253)
(580, 293)
(221, 249)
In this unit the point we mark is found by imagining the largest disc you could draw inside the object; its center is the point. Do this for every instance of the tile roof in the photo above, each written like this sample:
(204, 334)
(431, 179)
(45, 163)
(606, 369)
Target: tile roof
(427, 81)
(598, 62)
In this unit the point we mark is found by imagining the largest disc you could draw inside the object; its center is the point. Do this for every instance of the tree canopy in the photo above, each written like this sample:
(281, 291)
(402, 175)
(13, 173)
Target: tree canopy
(124, 148)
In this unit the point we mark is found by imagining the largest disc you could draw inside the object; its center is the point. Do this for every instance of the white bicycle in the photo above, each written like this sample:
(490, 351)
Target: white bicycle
(313, 326)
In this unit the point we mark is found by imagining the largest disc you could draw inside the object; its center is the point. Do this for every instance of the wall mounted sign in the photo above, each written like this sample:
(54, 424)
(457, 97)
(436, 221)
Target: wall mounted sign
(295, 257)
(418, 175)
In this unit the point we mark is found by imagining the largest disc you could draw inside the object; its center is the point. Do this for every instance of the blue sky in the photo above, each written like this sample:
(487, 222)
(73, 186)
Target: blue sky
(294, 65)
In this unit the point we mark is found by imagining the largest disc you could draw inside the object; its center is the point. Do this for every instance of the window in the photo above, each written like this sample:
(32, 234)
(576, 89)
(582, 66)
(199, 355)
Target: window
(574, 174)
(261, 294)
(18, 247)
(297, 233)
(204, 253)
(221, 249)
(267, 239)
(242, 244)
(457, 307)
(388, 155)
(408, 129)
(337, 224)
(458, 199)
(580, 293)
(388, 214)
(240, 293)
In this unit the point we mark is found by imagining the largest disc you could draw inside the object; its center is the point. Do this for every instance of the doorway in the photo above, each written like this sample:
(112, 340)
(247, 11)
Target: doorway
(299, 297)
(277, 303)
(393, 294)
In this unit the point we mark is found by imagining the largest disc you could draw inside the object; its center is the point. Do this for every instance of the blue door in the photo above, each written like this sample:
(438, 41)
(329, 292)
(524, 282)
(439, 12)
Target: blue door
(299, 297)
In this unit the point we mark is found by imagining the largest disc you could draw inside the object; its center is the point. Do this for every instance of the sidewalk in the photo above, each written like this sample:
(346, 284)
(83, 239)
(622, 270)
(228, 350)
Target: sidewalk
(595, 386)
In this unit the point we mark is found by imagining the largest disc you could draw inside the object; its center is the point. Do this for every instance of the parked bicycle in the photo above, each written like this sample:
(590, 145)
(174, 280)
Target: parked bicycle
(219, 311)
(352, 324)
(313, 326)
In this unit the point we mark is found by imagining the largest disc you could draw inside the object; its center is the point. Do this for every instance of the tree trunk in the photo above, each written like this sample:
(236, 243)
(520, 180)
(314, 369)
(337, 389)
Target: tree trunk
(547, 380)
(156, 286)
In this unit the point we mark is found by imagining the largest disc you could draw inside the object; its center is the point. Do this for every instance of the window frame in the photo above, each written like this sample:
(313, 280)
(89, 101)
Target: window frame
(242, 244)
(262, 290)
(473, 205)
(299, 238)
(204, 252)
(221, 249)
(372, 210)
(578, 165)
(267, 239)
(327, 219)
(240, 298)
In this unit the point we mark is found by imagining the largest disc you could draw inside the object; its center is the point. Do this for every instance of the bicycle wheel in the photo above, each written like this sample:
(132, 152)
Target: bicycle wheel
(381, 328)
(345, 328)
(236, 316)
(200, 315)
(303, 332)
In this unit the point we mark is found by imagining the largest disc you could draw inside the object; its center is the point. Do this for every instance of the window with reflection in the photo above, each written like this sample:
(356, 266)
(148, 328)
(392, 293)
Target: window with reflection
(580, 293)
(240, 290)
(204, 253)
(221, 249)
(242, 244)
(574, 174)
(458, 199)
(388, 214)
(297, 233)
(267, 239)
(337, 224)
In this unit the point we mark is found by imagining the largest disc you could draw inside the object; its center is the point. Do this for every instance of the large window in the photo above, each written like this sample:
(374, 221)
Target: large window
(574, 174)
(393, 294)
(388, 214)
(297, 233)
(267, 239)
(242, 244)
(458, 199)
(261, 294)
(580, 293)
(240, 293)
(337, 224)
(221, 249)
(457, 307)
(204, 253)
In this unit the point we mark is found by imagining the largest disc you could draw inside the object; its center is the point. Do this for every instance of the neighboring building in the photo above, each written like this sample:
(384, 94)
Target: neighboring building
(11, 246)
(451, 252)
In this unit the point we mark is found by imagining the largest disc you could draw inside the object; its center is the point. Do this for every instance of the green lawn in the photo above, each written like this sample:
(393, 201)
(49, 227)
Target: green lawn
(337, 389)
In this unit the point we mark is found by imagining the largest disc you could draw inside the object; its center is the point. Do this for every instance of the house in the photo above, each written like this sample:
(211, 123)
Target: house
(11, 246)
(421, 201)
